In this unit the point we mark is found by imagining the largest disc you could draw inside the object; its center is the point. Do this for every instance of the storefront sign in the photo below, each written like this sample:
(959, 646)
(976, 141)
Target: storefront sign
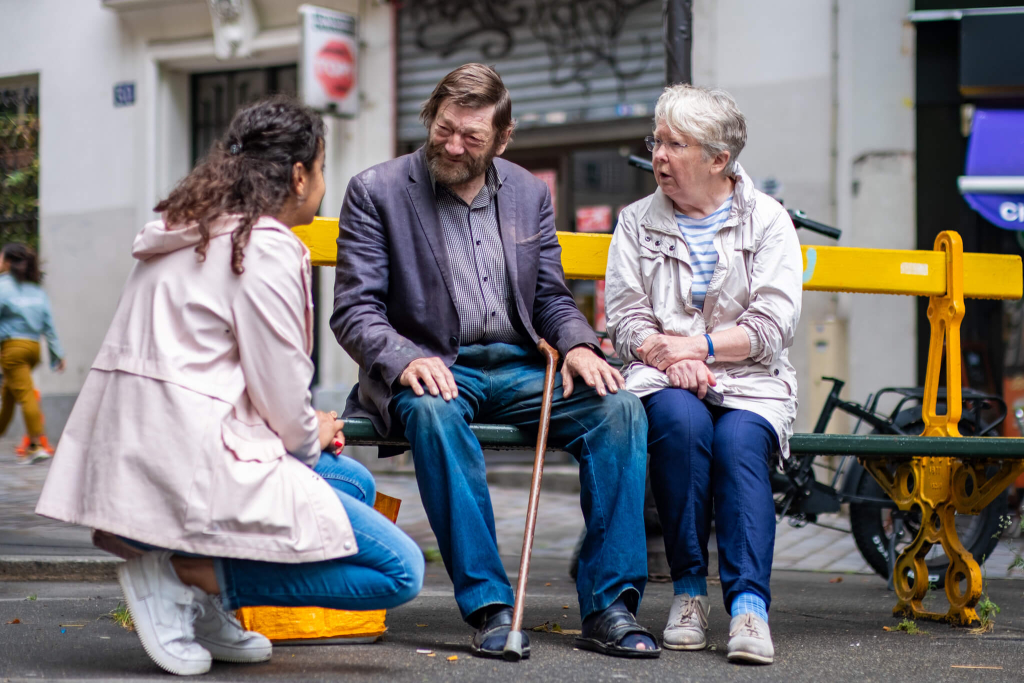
(329, 62)
(594, 218)
(995, 158)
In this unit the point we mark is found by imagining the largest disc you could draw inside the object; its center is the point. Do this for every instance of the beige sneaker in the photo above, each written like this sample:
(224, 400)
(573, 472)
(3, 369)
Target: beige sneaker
(223, 636)
(750, 641)
(687, 627)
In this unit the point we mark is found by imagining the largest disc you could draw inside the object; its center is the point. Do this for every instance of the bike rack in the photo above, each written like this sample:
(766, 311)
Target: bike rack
(939, 487)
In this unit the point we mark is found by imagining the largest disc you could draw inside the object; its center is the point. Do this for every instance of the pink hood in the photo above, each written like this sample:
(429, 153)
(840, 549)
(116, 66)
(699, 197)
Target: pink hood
(156, 238)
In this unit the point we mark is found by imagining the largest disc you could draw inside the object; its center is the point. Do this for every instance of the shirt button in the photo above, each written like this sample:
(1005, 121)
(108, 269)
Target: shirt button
(648, 238)
(776, 373)
(657, 244)
(672, 248)
(494, 313)
(478, 243)
(485, 278)
(348, 545)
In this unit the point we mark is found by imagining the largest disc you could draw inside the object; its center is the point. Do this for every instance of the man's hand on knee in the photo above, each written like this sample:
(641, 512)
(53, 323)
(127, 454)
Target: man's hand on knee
(433, 374)
(581, 361)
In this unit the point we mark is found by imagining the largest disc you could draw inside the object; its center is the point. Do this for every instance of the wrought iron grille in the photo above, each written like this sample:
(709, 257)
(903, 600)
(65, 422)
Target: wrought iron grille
(217, 96)
(19, 165)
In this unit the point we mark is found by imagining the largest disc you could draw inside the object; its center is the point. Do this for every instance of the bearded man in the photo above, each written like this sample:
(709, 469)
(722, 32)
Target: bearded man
(449, 273)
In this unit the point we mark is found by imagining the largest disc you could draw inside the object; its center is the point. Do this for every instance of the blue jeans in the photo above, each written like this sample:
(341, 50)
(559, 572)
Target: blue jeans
(502, 383)
(706, 458)
(386, 572)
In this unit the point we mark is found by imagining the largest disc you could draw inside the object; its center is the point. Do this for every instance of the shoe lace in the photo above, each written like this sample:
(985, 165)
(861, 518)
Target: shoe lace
(193, 611)
(746, 627)
(692, 615)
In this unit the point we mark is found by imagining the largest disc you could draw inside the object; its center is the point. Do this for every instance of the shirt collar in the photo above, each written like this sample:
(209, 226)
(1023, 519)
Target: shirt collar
(492, 183)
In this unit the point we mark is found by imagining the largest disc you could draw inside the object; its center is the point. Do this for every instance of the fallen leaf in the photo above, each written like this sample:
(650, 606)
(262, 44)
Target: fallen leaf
(838, 579)
(556, 628)
(453, 658)
(545, 627)
(565, 606)
(548, 583)
(14, 621)
(421, 625)
(430, 655)
(886, 628)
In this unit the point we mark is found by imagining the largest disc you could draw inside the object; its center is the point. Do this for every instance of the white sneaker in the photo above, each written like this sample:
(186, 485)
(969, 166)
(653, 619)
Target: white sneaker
(750, 641)
(37, 454)
(163, 610)
(221, 633)
(687, 627)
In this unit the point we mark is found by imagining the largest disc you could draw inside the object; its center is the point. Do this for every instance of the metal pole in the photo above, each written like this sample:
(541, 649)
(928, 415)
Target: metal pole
(678, 21)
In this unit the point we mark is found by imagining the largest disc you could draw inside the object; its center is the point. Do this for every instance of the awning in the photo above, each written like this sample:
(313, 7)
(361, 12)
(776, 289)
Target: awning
(994, 180)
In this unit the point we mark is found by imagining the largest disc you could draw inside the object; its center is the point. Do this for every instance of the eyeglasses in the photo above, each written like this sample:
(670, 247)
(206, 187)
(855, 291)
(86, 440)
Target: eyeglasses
(673, 147)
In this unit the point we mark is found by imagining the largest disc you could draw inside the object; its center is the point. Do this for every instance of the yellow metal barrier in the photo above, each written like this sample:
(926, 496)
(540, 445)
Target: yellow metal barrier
(937, 487)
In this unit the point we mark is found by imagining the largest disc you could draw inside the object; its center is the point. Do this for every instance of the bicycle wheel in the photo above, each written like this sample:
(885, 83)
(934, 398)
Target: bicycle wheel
(872, 528)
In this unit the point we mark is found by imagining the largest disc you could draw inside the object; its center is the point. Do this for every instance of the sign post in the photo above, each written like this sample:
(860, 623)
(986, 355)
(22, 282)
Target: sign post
(329, 61)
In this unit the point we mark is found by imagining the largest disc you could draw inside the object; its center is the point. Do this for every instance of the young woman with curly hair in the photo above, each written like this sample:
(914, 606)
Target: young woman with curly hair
(194, 437)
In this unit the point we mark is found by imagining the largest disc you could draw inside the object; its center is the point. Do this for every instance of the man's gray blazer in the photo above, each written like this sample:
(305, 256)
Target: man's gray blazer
(393, 291)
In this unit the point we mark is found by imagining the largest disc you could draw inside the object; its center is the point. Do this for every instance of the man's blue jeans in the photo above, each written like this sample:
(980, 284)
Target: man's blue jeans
(502, 383)
(386, 572)
(705, 458)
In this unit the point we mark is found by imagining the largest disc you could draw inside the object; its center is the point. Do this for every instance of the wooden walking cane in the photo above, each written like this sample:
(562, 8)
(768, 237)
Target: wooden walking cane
(514, 642)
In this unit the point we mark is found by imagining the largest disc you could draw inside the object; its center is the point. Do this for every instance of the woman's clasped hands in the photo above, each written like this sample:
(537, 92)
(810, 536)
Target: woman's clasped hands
(682, 359)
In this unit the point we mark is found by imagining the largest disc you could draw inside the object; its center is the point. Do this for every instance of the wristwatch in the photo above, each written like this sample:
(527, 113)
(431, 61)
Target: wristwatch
(711, 350)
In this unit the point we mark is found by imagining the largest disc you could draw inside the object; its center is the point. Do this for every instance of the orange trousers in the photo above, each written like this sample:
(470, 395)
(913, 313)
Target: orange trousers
(17, 358)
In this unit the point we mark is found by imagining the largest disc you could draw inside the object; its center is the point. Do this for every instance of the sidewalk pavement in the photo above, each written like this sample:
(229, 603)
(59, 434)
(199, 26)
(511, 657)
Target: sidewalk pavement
(823, 631)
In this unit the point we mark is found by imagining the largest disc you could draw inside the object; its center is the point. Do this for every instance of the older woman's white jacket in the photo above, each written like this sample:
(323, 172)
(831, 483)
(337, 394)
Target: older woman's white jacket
(194, 429)
(757, 285)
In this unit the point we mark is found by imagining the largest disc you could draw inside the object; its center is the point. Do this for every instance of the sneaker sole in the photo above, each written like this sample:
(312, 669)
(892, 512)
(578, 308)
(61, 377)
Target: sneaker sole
(750, 658)
(236, 656)
(687, 646)
(168, 663)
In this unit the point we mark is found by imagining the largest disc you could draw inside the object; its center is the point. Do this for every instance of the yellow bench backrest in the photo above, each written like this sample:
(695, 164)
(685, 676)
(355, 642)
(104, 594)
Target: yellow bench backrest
(826, 269)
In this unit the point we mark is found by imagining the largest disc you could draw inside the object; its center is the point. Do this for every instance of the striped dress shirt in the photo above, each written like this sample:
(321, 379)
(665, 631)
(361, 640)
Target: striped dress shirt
(483, 292)
(699, 234)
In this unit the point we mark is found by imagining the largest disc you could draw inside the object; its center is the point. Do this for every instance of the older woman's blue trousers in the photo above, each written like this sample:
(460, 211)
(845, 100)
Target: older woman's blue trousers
(704, 459)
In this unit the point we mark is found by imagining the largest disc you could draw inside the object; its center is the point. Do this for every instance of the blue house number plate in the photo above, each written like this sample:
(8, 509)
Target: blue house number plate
(124, 94)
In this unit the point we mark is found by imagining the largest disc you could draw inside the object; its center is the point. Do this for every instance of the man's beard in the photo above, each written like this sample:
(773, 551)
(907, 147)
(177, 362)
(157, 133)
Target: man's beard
(455, 174)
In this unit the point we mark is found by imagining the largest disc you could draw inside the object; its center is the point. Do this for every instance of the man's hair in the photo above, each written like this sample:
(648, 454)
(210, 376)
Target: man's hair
(474, 86)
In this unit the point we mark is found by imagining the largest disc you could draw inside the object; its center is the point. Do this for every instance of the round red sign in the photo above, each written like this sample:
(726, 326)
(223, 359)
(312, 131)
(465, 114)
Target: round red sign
(335, 69)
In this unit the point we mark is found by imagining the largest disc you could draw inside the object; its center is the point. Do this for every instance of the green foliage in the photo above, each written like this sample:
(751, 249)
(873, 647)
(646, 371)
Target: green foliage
(19, 178)
(909, 626)
(122, 618)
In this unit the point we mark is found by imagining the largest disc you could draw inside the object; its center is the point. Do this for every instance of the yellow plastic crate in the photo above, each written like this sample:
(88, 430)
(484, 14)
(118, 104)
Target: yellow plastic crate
(318, 625)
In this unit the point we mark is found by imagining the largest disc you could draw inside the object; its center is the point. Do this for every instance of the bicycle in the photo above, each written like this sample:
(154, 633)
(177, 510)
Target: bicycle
(879, 529)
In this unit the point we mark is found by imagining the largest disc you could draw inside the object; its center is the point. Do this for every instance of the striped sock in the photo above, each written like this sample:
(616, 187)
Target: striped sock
(691, 585)
(749, 603)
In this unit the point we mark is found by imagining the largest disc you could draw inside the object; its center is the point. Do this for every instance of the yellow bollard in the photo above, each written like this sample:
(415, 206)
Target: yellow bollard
(319, 625)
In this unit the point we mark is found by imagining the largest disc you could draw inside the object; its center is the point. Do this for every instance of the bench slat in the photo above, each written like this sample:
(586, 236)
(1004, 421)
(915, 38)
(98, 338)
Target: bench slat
(826, 269)
(359, 431)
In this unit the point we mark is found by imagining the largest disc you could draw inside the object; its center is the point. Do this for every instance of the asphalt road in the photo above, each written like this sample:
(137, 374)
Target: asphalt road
(823, 631)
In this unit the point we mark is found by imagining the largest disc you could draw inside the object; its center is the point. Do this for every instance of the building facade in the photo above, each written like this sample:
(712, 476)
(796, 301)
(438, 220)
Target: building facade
(131, 93)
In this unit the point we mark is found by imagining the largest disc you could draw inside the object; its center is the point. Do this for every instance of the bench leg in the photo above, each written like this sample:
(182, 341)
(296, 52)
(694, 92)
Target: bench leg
(939, 488)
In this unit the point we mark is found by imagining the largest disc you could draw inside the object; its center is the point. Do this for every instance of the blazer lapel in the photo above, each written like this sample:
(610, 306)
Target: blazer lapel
(422, 196)
(507, 218)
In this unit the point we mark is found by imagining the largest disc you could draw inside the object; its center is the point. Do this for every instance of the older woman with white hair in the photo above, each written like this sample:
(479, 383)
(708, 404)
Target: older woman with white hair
(703, 298)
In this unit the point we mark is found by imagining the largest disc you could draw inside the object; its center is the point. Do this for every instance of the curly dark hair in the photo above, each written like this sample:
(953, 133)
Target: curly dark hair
(248, 171)
(23, 262)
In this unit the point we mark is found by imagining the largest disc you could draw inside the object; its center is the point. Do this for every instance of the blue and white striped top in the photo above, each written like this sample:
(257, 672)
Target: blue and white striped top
(699, 234)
